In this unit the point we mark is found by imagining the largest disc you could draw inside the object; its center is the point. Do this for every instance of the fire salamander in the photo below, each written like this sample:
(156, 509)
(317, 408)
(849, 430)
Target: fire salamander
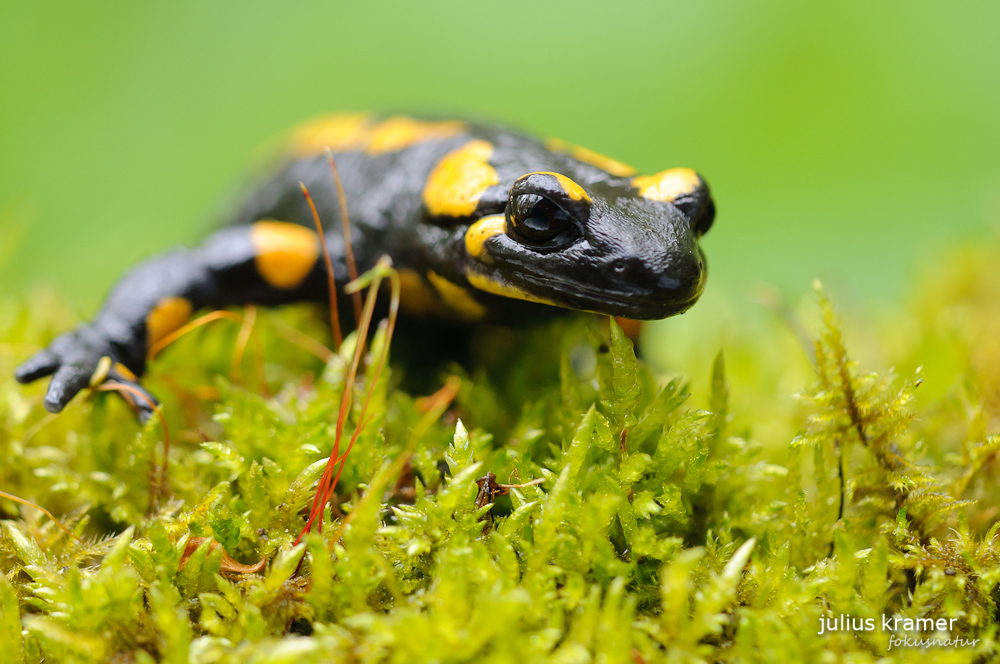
(483, 223)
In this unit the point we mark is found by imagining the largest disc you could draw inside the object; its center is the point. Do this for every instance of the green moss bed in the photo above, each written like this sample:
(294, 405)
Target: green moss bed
(689, 506)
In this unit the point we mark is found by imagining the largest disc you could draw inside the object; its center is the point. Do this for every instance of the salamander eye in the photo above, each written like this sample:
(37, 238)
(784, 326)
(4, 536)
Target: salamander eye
(537, 220)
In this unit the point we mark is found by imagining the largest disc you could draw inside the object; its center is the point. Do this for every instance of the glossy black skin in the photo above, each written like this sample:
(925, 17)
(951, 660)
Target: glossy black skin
(628, 256)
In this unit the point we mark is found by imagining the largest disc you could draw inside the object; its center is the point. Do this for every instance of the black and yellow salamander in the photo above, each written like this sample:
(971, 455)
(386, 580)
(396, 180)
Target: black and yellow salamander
(483, 223)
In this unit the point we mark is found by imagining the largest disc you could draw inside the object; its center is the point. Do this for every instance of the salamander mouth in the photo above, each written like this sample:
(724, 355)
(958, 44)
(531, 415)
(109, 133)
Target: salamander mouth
(626, 300)
(635, 303)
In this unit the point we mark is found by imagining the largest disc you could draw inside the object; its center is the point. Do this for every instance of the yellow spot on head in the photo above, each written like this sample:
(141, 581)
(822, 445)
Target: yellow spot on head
(284, 253)
(597, 159)
(167, 316)
(400, 132)
(667, 185)
(480, 232)
(460, 179)
(457, 298)
(572, 189)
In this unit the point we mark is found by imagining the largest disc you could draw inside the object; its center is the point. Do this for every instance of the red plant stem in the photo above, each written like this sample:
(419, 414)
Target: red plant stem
(338, 337)
(322, 488)
(345, 223)
(246, 327)
(383, 357)
(303, 341)
(16, 499)
(196, 323)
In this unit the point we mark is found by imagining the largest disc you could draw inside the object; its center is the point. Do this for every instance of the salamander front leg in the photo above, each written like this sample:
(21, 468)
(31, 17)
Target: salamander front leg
(72, 360)
(267, 262)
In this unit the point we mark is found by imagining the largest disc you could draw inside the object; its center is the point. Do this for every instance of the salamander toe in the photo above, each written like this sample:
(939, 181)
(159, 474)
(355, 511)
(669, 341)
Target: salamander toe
(39, 365)
(65, 384)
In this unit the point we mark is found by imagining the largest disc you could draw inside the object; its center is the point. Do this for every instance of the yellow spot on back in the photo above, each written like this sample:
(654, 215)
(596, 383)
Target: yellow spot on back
(167, 316)
(491, 285)
(480, 232)
(572, 189)
(457, 298)
(356, 131)
(460, 179)
(667, 185)
(284, 253)
(400, 132)
(341, 132)
(597, 159)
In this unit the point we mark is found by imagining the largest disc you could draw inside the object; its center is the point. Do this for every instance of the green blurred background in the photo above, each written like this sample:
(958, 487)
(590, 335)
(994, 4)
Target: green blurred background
(849, 141)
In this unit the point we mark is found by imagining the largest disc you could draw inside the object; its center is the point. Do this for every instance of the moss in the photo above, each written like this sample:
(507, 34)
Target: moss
(713, 520)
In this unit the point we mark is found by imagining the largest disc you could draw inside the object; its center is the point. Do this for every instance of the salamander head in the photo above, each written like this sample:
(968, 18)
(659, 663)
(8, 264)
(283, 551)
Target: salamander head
(622, 247)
